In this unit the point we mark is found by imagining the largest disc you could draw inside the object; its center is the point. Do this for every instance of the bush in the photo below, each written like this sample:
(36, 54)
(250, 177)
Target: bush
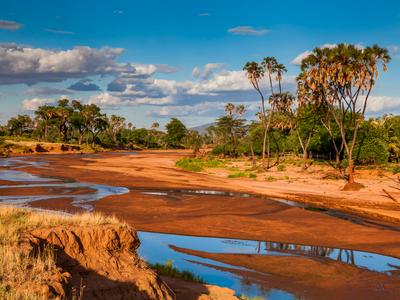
(198, 164)
(396, 169)
(281, 168)
(373, 151)
(237, 174)
(270, 178)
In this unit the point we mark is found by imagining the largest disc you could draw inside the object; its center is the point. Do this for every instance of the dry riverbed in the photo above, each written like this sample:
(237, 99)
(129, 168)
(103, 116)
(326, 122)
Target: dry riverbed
(164, 198)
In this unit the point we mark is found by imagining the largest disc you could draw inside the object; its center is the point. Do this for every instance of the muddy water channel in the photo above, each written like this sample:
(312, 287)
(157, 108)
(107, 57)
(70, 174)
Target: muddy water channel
(266, 269)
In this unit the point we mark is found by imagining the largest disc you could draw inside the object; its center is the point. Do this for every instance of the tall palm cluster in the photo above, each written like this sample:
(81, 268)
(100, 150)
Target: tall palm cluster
(340, 79)
(269, 69)
(334, 86)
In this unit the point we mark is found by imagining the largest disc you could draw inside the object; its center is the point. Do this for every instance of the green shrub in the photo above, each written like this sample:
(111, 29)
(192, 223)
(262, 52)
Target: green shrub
(281, 168)
(198, 164)
(237, 174)
(168, 269)
(270, 178)
(396, 169)
(252, 175)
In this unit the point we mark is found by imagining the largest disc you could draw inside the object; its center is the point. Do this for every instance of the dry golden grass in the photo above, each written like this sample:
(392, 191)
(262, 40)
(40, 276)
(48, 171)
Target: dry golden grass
(20, 272)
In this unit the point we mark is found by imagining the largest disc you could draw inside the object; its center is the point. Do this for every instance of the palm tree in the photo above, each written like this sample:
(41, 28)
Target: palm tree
(342, 78)
(255, 73)
(269, 63)
(279, 70)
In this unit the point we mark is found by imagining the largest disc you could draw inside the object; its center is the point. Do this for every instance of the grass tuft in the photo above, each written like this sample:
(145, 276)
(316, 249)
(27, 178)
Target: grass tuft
(168, 269)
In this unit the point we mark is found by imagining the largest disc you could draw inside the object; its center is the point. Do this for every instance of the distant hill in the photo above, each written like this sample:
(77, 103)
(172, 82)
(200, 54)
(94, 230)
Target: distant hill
(202, 129)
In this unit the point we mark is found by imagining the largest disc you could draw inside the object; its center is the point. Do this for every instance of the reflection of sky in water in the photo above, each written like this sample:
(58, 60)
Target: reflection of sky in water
(80, 200)
(20, 162)
(11, 175)
(154, 248)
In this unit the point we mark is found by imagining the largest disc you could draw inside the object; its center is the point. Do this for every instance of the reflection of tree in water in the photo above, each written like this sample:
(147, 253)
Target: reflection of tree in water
(346, 256)
(248, 287)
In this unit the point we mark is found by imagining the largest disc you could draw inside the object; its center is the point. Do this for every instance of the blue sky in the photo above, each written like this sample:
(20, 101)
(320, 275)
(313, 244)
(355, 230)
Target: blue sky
(175, 58)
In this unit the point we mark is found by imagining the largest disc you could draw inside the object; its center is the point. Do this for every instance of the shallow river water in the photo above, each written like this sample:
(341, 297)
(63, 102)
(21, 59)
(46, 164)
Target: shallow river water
(155, 247)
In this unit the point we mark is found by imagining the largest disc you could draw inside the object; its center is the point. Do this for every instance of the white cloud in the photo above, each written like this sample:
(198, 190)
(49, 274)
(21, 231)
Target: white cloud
(118, 99)
(383, 104)
(24, 64)
(248, 30)
(33, 104)
(10, 25)
(31, 65)
(299, 58)
(206, 108)
(59, 31)
(207, 70)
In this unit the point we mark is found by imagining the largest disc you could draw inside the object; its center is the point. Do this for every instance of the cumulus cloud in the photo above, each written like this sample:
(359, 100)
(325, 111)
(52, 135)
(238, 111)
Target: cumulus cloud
(248, 30)
(117, 100)
(383, 104)
(210, 85)
(59, 31)
(84, 86)
(22, 64)
(207, 108)
(207, 70)
(33, 104)
(10, 25)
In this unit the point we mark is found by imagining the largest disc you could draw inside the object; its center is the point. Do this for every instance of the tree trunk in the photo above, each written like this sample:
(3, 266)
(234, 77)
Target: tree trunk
(350, 168)
(264, 143)
(253, 159)
(337, 160)
(305, 158)
(46, 130)
(268, 150)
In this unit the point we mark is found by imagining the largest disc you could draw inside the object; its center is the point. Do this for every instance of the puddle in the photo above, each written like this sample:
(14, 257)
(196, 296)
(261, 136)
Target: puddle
(79, 200)
(12, 175)
(155, 249)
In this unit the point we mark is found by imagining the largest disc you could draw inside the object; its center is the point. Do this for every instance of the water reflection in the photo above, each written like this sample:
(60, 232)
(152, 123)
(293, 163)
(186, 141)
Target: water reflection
(155, 248)
(81, 193)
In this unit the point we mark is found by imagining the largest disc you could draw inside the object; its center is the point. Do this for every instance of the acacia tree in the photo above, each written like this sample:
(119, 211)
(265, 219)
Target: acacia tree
(342, 78)
(229, 129)
(115, 126)
(307, 118)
